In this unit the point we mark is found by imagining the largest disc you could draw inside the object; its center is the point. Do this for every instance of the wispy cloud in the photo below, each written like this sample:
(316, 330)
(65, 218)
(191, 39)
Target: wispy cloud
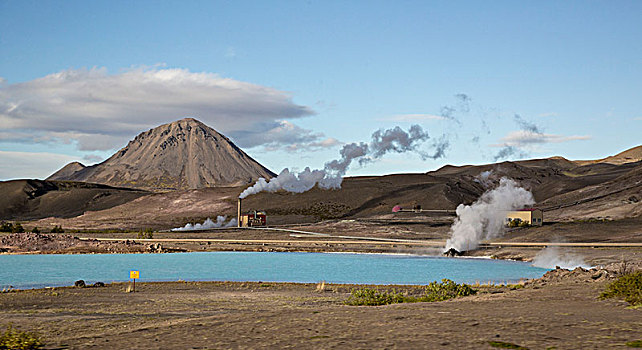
(92, 158)
(282, 135)
(101, 111)
(313, 146)
(523, 138)
(413, 117)
(530, 136)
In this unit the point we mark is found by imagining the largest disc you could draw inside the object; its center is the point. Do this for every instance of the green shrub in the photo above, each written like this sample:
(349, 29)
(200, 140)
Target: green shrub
(627, 287)
(57, 229)
(513, 223)
(147, 234)
(445, 290)
(634, 344)
(505, 345)
(17, 228)
(14, 339)
(524, 224)
(435, 291)
(373, 297)
(35, 230)
(6, 226)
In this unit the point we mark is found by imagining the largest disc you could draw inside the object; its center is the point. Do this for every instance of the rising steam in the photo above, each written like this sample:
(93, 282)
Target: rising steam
(551, 257)
(484, 219)
(394, 140)
(207, 224)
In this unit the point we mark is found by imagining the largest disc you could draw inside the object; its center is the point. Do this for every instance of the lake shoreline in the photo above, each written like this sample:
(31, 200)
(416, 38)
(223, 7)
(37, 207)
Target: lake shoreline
(381, 269)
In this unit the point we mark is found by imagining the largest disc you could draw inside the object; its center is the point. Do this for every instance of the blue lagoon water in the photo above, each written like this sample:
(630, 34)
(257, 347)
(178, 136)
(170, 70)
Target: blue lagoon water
(36, 271)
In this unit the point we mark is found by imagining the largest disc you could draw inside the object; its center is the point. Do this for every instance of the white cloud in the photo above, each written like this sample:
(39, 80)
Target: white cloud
(638, 118)
(30, 165)
(313, 146)
(283, 135)
(413, 117)
(92, 159)
(100, 111)
(522, 138)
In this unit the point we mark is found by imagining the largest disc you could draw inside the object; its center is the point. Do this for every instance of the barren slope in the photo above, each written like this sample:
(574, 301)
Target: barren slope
(34, 199)
(185, 154)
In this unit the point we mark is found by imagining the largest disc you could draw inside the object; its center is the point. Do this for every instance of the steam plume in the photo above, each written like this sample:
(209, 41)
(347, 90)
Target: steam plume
(484, 219)
(550, 257)
(330, 177)
(207, 224)
(526, 125)
(509, 150)
(484, 178)
(462, 106)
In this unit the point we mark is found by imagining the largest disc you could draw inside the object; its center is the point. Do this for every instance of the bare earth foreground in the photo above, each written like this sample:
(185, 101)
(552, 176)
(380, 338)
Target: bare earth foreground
(561, 311)
(556, 312)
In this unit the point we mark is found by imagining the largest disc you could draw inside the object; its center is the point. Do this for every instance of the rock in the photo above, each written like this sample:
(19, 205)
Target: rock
(80, 284)
(98, 284)
(155, 248)
(452, 252)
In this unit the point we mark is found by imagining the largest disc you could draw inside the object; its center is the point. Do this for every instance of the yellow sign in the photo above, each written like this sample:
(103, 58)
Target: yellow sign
(133, 274)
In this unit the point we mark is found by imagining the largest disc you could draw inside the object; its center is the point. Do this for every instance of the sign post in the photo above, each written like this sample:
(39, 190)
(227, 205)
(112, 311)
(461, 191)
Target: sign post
(134, 275)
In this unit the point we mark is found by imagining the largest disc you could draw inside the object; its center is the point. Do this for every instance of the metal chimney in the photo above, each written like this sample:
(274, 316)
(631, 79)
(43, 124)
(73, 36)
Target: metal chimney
(238, 214)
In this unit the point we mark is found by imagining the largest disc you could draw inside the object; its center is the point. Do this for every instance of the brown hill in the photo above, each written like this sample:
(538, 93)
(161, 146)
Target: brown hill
(185, 154)
(34, 199)
(564, 189)
(631, 155)
(67, 171)
(619, 196)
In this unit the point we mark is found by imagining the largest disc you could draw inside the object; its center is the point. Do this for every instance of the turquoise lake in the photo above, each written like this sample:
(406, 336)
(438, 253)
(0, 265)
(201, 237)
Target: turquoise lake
(37, 271)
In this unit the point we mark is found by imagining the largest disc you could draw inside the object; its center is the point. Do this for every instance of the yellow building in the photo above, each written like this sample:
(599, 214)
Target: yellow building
(532, 216)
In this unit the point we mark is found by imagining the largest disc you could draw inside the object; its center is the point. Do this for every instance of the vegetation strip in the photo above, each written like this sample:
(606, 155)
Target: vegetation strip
(435, 291)
(627, 287)
(14, 339)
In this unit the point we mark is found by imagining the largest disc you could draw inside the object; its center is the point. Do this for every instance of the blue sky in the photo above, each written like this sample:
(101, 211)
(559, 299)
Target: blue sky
(326, 73)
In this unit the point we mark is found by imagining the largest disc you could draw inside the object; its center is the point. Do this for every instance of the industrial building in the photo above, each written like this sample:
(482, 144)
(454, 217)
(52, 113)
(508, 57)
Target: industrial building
(251, 219)
(532, 216)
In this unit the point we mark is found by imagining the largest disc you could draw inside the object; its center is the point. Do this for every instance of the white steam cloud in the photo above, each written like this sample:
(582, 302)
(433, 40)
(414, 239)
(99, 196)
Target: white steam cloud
(383, 141)
(207, 224)
(551, 257)
(484, 178)
(484, 219)
(293, 182)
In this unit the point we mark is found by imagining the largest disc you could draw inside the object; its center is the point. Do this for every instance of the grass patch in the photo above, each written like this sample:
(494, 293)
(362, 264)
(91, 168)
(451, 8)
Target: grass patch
(373, 297)
(634, 344)
(446, 289)
(435, 291)
(14, 339)
(627, 287)
(319, 337)
(505, 345)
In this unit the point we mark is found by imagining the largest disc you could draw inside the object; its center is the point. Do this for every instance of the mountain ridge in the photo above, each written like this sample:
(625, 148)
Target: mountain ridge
(185, 154)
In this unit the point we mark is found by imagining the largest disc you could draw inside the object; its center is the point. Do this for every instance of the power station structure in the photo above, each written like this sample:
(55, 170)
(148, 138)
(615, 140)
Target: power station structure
(532, 216)
(253, 218)
(417, 209)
